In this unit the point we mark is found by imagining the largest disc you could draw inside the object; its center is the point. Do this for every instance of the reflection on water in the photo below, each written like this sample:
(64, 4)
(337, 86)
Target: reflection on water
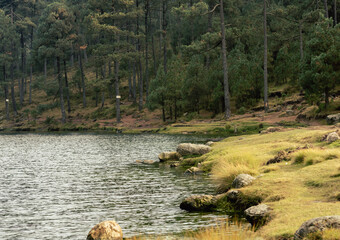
(60, 186)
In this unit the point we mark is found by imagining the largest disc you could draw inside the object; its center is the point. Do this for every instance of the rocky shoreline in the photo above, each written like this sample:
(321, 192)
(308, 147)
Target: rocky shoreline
(232, 200)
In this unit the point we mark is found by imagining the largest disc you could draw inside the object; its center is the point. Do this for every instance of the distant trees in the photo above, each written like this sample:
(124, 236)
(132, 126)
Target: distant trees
(180, 56)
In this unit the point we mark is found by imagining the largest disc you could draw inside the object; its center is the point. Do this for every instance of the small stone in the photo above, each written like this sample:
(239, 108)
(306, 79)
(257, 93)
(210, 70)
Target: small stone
(332, 137)
(193, 171)
(316, 225)
(257, 215)
(108, 230)
(242, 180)
(139, 161)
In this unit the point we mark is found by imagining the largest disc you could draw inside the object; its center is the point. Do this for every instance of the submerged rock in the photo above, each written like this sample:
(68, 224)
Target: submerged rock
(242, 180)
(145, 161)
(193, 171)
(316, 225)
(192, 149)
(174, 165)
(258, 215)
(108, 230)
(332, 137)
(169, 156)
(199, 203)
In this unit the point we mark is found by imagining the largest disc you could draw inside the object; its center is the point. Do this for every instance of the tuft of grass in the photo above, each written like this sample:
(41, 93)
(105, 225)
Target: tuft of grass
(223, 231)
(315, 155)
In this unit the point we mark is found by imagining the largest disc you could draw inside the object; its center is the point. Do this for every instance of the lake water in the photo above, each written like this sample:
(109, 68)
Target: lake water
(58, 186)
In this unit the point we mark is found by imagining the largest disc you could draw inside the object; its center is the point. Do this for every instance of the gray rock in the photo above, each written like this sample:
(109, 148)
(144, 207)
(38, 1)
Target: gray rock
(199, 203)
(209, 143)
(258, 215)
(332, 137)
(169, 156)
(316, 225)
(242, 180)
(332, 119)
(192, 149)
(193, 171)
(233, 195)
(108, 230)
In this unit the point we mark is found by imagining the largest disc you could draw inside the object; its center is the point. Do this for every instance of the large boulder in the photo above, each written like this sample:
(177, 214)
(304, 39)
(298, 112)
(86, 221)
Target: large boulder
(332, 137)
(192, 149)
(242, 180)
(199, 203)
(317, 225)
(108, 230)
(332, 119)
(169, 156)
(258, 215)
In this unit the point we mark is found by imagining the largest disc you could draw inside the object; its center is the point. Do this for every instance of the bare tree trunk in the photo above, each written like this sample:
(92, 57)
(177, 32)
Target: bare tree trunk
(164, 38)
(103, 99)
(140, 82)
(134, 83)
(225, 66)
(146, 49)
(117, 91)
(14, 105)
(30, 85)
(130, 83)
(61, 92)
(335, 14)
(21, 86)
(45, 70)
(85, 56)
(6, 93)
(82, 79)
(326, 8)
(265, 59)
(67, 89)
(301, 41)
(72, 57)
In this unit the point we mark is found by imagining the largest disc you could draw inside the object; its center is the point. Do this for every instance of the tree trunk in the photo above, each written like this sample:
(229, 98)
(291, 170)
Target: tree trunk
(6, 93)
(140, 82)
(225, 66)
(45, 70)
(134, 83)
(21, 86)
(301, 41)
(72, 57)
(163, 109)
(335, 14)
(82, 79)
(265, 59)
(130, 83)
(67, 89)
(164, 37)
(326, 8)
(146, 49)
(30, 85)
(103, 99)
(85, 56)
(117, 91)
(61, 92)
(14, 104)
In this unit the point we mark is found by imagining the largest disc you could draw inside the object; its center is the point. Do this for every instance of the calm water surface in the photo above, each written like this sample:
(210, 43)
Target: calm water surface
(58, 186)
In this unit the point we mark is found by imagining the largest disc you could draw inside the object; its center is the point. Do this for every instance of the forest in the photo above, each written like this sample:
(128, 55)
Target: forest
(173, 55)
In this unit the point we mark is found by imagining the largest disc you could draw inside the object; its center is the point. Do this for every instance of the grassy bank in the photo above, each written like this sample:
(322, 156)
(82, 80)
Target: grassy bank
(303, 186)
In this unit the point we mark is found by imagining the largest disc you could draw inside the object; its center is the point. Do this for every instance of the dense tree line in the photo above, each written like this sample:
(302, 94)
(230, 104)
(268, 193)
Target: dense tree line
(179, 56)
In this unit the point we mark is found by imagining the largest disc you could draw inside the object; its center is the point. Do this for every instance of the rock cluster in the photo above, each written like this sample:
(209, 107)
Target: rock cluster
(108, 230)
(316, 225)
